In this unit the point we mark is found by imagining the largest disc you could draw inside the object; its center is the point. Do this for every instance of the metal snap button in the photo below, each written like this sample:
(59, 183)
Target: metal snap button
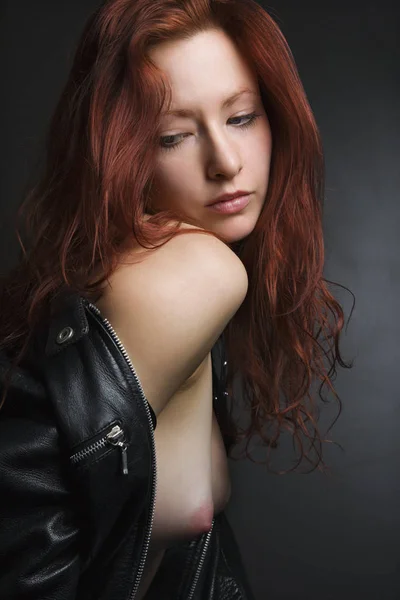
(64, 335)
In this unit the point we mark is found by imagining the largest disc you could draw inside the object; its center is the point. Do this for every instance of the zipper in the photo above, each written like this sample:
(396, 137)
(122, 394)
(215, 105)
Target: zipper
(209, 533)
(201, 561)
(115, 437)
(118, 441)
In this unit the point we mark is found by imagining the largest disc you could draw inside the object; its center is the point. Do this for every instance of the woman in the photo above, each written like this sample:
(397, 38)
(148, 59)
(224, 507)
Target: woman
(111, 320)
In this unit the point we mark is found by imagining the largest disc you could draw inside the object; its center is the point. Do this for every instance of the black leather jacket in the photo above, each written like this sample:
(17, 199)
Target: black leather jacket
(78, 477)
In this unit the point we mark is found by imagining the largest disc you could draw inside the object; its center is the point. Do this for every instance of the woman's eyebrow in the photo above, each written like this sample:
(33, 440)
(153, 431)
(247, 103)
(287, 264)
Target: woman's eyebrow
(185, 112)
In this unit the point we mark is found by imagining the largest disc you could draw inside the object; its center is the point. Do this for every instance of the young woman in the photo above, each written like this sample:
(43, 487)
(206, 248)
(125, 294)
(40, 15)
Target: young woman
(179, 117)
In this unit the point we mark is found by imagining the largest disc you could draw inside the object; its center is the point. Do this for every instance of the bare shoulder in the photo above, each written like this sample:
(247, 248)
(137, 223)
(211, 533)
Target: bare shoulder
(208, 249)
(170, 308)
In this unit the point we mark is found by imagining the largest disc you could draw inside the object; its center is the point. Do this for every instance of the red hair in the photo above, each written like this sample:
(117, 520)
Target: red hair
(96, 187)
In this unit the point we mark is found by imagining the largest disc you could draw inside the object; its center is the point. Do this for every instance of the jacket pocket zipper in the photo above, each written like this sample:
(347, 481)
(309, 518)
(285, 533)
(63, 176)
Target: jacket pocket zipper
(109, 328)
(115, 437)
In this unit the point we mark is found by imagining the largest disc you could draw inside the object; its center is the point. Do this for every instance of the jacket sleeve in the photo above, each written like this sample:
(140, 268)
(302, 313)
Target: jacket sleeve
(39, 558)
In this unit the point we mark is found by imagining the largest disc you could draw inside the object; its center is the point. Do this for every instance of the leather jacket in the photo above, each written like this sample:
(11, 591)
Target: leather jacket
(78, 476)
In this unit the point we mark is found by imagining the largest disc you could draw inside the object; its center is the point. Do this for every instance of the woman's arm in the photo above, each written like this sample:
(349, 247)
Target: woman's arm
(169, 310)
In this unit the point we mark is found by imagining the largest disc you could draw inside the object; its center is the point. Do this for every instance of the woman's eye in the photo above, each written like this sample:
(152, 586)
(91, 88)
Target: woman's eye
(166, 138)
(249, 120)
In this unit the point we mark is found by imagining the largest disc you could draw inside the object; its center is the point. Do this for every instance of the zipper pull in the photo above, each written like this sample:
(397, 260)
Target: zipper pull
(116, 437)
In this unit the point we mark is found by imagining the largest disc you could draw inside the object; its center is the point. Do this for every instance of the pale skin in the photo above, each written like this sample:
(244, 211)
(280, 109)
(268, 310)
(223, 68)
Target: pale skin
(221, 150)
(217, 154)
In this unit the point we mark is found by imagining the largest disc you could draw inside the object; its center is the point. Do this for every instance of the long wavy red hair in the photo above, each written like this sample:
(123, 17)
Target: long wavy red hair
(96, 187)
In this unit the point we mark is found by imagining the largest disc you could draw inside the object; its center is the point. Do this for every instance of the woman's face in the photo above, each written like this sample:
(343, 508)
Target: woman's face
(218, 148)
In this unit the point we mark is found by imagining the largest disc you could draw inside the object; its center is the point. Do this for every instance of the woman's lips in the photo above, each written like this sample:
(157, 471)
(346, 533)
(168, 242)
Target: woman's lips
(231, 206)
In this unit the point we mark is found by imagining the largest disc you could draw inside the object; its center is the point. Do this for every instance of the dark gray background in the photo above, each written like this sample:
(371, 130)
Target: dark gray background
(310, 536)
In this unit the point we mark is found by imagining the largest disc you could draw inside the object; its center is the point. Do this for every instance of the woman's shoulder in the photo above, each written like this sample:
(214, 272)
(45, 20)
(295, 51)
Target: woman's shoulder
(184, 266)
(188, 245)
(170, 308)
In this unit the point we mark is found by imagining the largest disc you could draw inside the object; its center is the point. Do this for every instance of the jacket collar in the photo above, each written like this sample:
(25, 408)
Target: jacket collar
(68, 322)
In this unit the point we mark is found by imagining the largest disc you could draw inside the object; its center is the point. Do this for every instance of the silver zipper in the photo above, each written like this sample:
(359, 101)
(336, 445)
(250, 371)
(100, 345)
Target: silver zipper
(145, 549)
(115, 437)
(209, 533)
(201, 561)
